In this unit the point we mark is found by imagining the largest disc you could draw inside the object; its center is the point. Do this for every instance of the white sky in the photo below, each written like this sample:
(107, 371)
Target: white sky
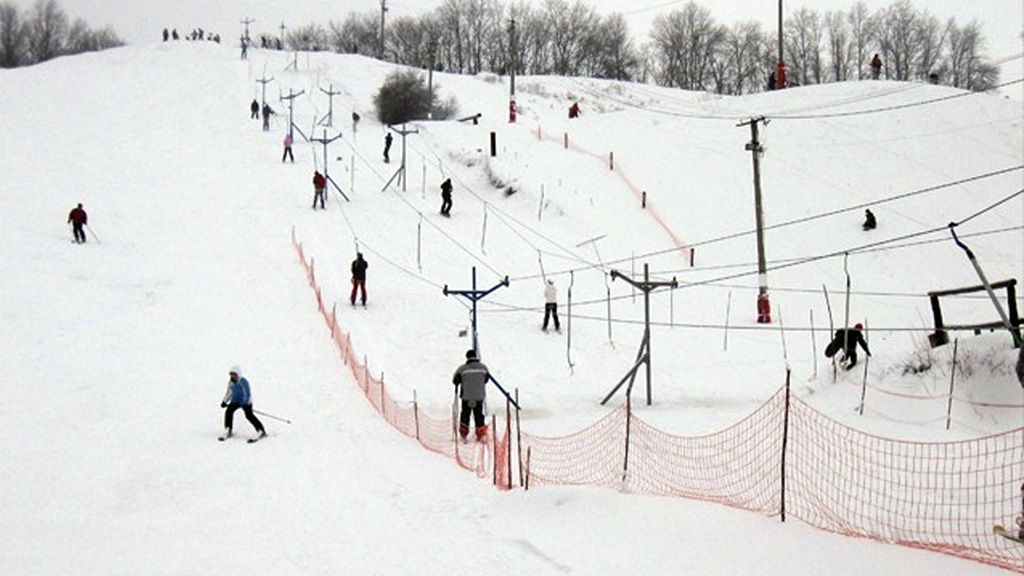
(142, 20)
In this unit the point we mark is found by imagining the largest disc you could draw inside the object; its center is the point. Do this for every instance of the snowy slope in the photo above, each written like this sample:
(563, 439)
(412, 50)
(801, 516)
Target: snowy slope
(115, 353)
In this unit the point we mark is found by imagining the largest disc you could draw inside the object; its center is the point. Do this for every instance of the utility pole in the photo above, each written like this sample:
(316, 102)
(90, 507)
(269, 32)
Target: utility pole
(780, 65)
(282, 27)
(400, 173)
(430, 78)
(330, 103)
(246, 21)
(264, 81)
(325, 141)
(383, 11)
(473, 296)
(764, 308)
(512, 71)
(291, 101)
(644, 355)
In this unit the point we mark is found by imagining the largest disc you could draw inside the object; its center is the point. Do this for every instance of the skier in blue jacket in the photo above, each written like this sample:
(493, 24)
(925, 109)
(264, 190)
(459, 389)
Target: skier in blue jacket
(238, 396)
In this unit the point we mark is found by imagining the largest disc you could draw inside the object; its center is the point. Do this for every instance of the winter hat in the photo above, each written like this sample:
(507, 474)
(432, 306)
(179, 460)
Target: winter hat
(235, 370)
(859, 326)
(470, 354)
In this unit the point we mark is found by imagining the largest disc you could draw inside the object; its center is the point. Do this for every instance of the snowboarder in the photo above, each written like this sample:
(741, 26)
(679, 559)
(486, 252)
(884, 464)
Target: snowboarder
(359, 267)
(245, 47)
(446, 197)
(288, 148)
(574, 110)
(254, 109)
(849, 338)
(387, 147)
(869, 220)
(267, 113)
(876, 67)
(472, 377)
(78, 218)
(166, 34)
(551, 305)
(238, 396)
(319, 189)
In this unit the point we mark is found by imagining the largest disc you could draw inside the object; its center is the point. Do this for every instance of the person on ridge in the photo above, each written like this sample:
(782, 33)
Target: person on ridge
(446, 197)
(472, 377)
(550, 305)
(869, 220)
(387, 148)
(359, 267)
(288, 148)
(238, 396)
(78, 218)
(254, 109)
(574, 110)
(319, 189)
(876, 67)
(166, 34)
(849, 338)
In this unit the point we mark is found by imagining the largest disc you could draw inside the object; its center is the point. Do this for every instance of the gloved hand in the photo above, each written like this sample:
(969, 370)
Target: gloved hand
(223, 404)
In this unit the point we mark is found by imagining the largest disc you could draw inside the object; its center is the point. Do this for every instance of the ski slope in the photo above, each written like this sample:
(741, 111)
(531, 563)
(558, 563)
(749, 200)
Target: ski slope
(115, 353)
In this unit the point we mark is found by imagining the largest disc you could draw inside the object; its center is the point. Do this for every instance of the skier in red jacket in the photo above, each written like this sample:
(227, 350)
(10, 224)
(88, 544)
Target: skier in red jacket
(78, 218)
(320, 189)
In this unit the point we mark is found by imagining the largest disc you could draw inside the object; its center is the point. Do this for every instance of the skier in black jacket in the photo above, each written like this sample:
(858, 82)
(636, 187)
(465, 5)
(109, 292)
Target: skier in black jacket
(359, 267)
(849, 338)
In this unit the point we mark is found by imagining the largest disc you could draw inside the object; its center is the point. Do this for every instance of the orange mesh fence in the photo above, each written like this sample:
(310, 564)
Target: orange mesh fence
(739, 466)
(941, 496)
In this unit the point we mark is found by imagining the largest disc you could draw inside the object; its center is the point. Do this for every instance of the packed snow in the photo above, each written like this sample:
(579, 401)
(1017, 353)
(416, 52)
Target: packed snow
(116, 352)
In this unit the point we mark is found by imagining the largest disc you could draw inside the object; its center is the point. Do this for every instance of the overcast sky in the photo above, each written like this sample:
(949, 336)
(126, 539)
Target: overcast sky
(140, 21)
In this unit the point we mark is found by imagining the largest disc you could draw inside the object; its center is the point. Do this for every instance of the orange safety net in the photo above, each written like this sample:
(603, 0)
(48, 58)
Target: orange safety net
(941, 496)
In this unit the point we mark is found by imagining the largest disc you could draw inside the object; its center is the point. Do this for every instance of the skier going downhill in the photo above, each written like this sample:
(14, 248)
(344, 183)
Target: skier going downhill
(239, 396)
(850, 339)
(472, 377)
(78, 218)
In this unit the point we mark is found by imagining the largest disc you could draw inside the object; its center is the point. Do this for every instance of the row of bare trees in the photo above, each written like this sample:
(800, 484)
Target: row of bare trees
(687, 48)
(46, 32)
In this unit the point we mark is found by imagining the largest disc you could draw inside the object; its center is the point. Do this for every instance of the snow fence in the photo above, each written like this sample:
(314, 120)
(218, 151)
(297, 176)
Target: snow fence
(785, 458)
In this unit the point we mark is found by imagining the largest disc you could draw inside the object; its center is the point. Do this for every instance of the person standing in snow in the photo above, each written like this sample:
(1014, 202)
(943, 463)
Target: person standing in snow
(288, 148)
(869, 220)
(166, 34)
(78, 219)
(574, 110)
(849, 339)
(551, 305)
(359, 267)
(387, 148)
(472, 377)
(267, 113)
(446, 197)
(319, 189)
(174, 34)
(254, 109)
(876, 67)
(238, 396)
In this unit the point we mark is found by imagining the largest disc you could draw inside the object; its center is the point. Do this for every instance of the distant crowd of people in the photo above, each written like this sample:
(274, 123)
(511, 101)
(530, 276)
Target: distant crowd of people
(196, 34)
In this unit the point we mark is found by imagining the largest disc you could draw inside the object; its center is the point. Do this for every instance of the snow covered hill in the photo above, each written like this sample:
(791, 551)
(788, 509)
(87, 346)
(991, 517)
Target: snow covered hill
(115, 353)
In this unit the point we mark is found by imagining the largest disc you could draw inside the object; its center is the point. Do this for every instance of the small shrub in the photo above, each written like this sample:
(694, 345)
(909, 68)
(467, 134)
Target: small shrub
(404, 97)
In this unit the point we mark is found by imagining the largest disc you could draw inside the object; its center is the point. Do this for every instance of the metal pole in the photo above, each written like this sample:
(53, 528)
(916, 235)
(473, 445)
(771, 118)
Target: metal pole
(864, 384)
(647, 330)
(762, 269)
(952, 377)
(814, 346)
(785, 441)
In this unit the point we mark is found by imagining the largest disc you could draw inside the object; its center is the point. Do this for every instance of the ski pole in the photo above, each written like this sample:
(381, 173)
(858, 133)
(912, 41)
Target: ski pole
(93, 234)
(272, 416)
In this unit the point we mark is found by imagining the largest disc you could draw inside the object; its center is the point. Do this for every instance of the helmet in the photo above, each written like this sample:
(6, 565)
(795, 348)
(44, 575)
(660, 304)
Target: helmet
(235, 370)
(470, 354)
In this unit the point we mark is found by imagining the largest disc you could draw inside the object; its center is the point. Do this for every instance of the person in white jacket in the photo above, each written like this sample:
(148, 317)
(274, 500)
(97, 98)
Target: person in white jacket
(551, 306)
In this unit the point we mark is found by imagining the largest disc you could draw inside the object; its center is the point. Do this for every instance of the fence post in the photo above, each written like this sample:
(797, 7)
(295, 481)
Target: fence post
(383, 411)
(416, 414)
(952, 377)
(519, 442)
(643, 200)
(565, 140)
(629, 417)
(508, 439)
(814, 346)
(611, 160)
(785, 441)
(527, 485)
(494, 449)
(334, 319)
(864, 384)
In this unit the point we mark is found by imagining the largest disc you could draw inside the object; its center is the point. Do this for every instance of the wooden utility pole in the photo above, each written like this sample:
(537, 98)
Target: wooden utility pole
(644, 355)
(512, 70)
(330, 103)
(432, 46)
(383, 11)
(780, 65)
(281, 28)
(264, 81)
(291, 108)
(764, 310)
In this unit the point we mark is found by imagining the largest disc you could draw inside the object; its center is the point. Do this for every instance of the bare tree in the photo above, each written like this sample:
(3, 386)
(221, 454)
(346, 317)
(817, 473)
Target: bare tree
(358, 33)
(863, 31)
(804, 35)
(930, 36)
(47, 31)
(839, 41)
(309, 37)
(897, 35)
(615, 55)
(571, 32)
(13, 42)
(685, 43)
(966, 65)
(741, 55)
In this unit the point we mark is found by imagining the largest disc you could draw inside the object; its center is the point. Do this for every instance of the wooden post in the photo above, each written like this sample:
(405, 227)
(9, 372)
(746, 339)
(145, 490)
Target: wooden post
(643, 200)
(611, 160)
(814, 346)
(508, 439)
(540, 207)
(785, 441)
(416, 414)
(629, 417)
(519, 441)
(693, 253)
(494, 449)
(565, 140)
(334, 319)
(419, 243)
(526, 485)
(383, 410)
(782, 330)
(864, 384)
(952, 377)
(831, 328)
(728, 307)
